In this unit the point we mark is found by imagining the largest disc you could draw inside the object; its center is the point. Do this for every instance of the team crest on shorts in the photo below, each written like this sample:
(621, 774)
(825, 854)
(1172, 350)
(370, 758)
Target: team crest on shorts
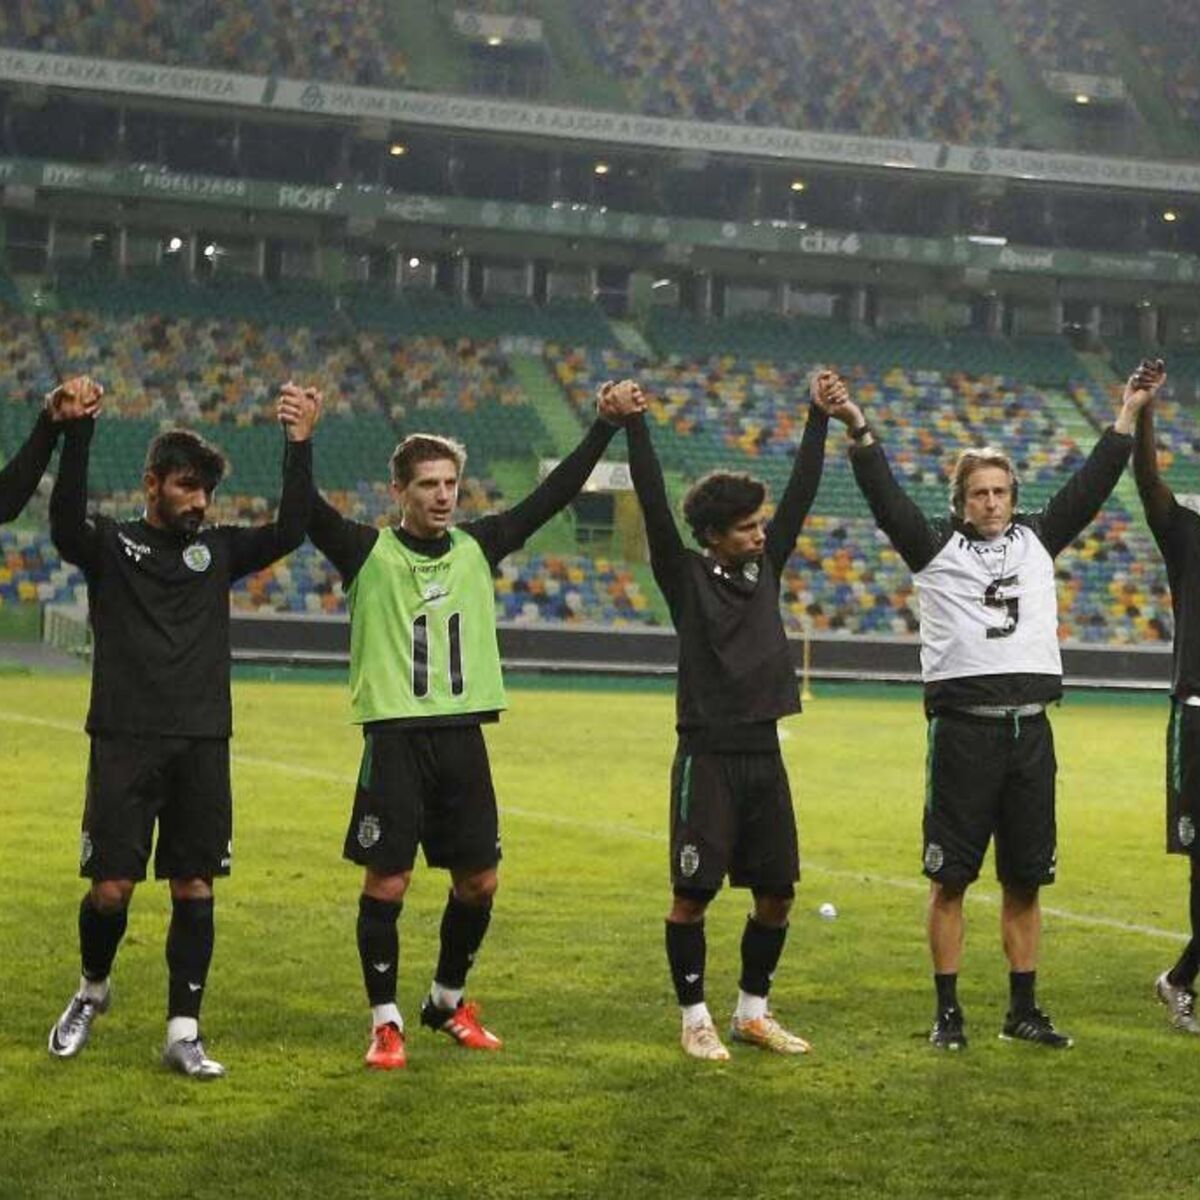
(369, 832)
(934, 858)
(197, 557)
(689, 860)
(1186, 828)
(85, 848)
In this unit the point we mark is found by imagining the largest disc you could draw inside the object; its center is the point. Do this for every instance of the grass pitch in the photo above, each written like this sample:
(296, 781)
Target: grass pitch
(592, 1096)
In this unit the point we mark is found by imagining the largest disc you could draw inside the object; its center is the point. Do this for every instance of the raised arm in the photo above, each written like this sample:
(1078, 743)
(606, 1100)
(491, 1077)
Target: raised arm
(1157, 498)
(21, 474)
(74, 537)
(803, 482)
(667, 551)
(501, 534)
(347, 544)
(1078, 501)
(73, 399)
(908, 529)
(256, 547)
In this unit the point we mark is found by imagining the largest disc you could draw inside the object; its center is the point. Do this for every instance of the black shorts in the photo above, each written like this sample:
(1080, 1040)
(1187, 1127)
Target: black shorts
(182, 783)
(732, 814)
(986, 776)
(430, 787)
(1183, 778)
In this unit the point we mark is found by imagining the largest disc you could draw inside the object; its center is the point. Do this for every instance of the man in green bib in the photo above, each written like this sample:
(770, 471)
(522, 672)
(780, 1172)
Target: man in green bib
(424, 677)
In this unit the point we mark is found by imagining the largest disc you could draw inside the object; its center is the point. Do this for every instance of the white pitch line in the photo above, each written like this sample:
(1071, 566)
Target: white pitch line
(613, 829)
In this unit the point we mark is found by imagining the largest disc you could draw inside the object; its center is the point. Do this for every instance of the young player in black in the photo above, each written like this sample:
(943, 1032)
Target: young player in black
(1176, 529)
(731, 806)
(990, 663)
(160, 714)
(424, 677)
(22, 473)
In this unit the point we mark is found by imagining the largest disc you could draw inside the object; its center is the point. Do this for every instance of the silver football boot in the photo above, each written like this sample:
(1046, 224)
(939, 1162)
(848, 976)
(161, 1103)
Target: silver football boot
(188, 1058)
(70, 1033)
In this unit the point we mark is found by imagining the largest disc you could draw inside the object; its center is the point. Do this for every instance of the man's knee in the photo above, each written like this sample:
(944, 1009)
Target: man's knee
(390, 888)
(688, 905)
(111, 895)
(772, 909)
(198, 888)
(476, 887)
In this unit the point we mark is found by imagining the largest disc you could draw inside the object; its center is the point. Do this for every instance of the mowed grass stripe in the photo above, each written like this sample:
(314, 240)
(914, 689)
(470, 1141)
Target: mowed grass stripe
(611, 830)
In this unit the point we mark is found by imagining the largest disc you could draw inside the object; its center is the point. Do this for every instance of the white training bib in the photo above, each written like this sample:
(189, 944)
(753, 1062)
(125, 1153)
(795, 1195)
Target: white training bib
(989, 608)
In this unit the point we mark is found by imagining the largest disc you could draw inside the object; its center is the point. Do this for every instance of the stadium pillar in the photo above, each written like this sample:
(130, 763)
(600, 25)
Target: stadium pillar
(1056, 315)
(1148, 324)
(122, 249)
(995, 315)
(1093, 324)
(859, 306)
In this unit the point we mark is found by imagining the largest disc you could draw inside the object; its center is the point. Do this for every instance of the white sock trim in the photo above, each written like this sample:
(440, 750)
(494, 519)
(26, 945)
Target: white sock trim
(382, 1014)
(93, 989)
(695, 1014)
(750, 1008)
(182, 1029)
(445, 997)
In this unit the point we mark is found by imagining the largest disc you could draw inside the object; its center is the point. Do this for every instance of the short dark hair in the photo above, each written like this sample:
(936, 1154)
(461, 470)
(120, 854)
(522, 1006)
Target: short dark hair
(425, 447)
(182, 450)
(719, 500)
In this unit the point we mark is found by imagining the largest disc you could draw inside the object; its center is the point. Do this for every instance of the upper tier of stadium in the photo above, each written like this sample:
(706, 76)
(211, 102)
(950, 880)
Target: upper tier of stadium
(947, 70)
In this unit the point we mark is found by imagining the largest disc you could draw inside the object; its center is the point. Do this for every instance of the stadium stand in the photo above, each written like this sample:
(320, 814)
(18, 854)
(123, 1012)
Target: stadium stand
(1058, 35)
(743, 413)
(899, 68)
(1166, 44)
(306, 39)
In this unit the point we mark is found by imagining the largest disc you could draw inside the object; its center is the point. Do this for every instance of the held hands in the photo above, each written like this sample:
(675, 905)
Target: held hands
(298, 410)
(617, 402)
(75, 399)
(831, 395)
(1140, 389)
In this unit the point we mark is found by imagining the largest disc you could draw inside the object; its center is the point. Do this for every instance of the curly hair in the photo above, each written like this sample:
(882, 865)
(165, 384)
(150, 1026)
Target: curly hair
(719, 500)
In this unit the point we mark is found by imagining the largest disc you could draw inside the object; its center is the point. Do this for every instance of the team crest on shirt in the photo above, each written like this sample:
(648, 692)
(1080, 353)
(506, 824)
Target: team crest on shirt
(369, 832)
(934, 858)
(197, 557)
(689, 860)
(85, 848)
(1186, 828)
(750, 572)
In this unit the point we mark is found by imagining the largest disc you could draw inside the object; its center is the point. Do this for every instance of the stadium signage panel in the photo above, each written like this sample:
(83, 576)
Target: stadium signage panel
(605, 476)
(587, 221)
(1074, 168)
(501, 116)
(486, 115)
(1095, 87)
(482, 27)
(116, 75)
